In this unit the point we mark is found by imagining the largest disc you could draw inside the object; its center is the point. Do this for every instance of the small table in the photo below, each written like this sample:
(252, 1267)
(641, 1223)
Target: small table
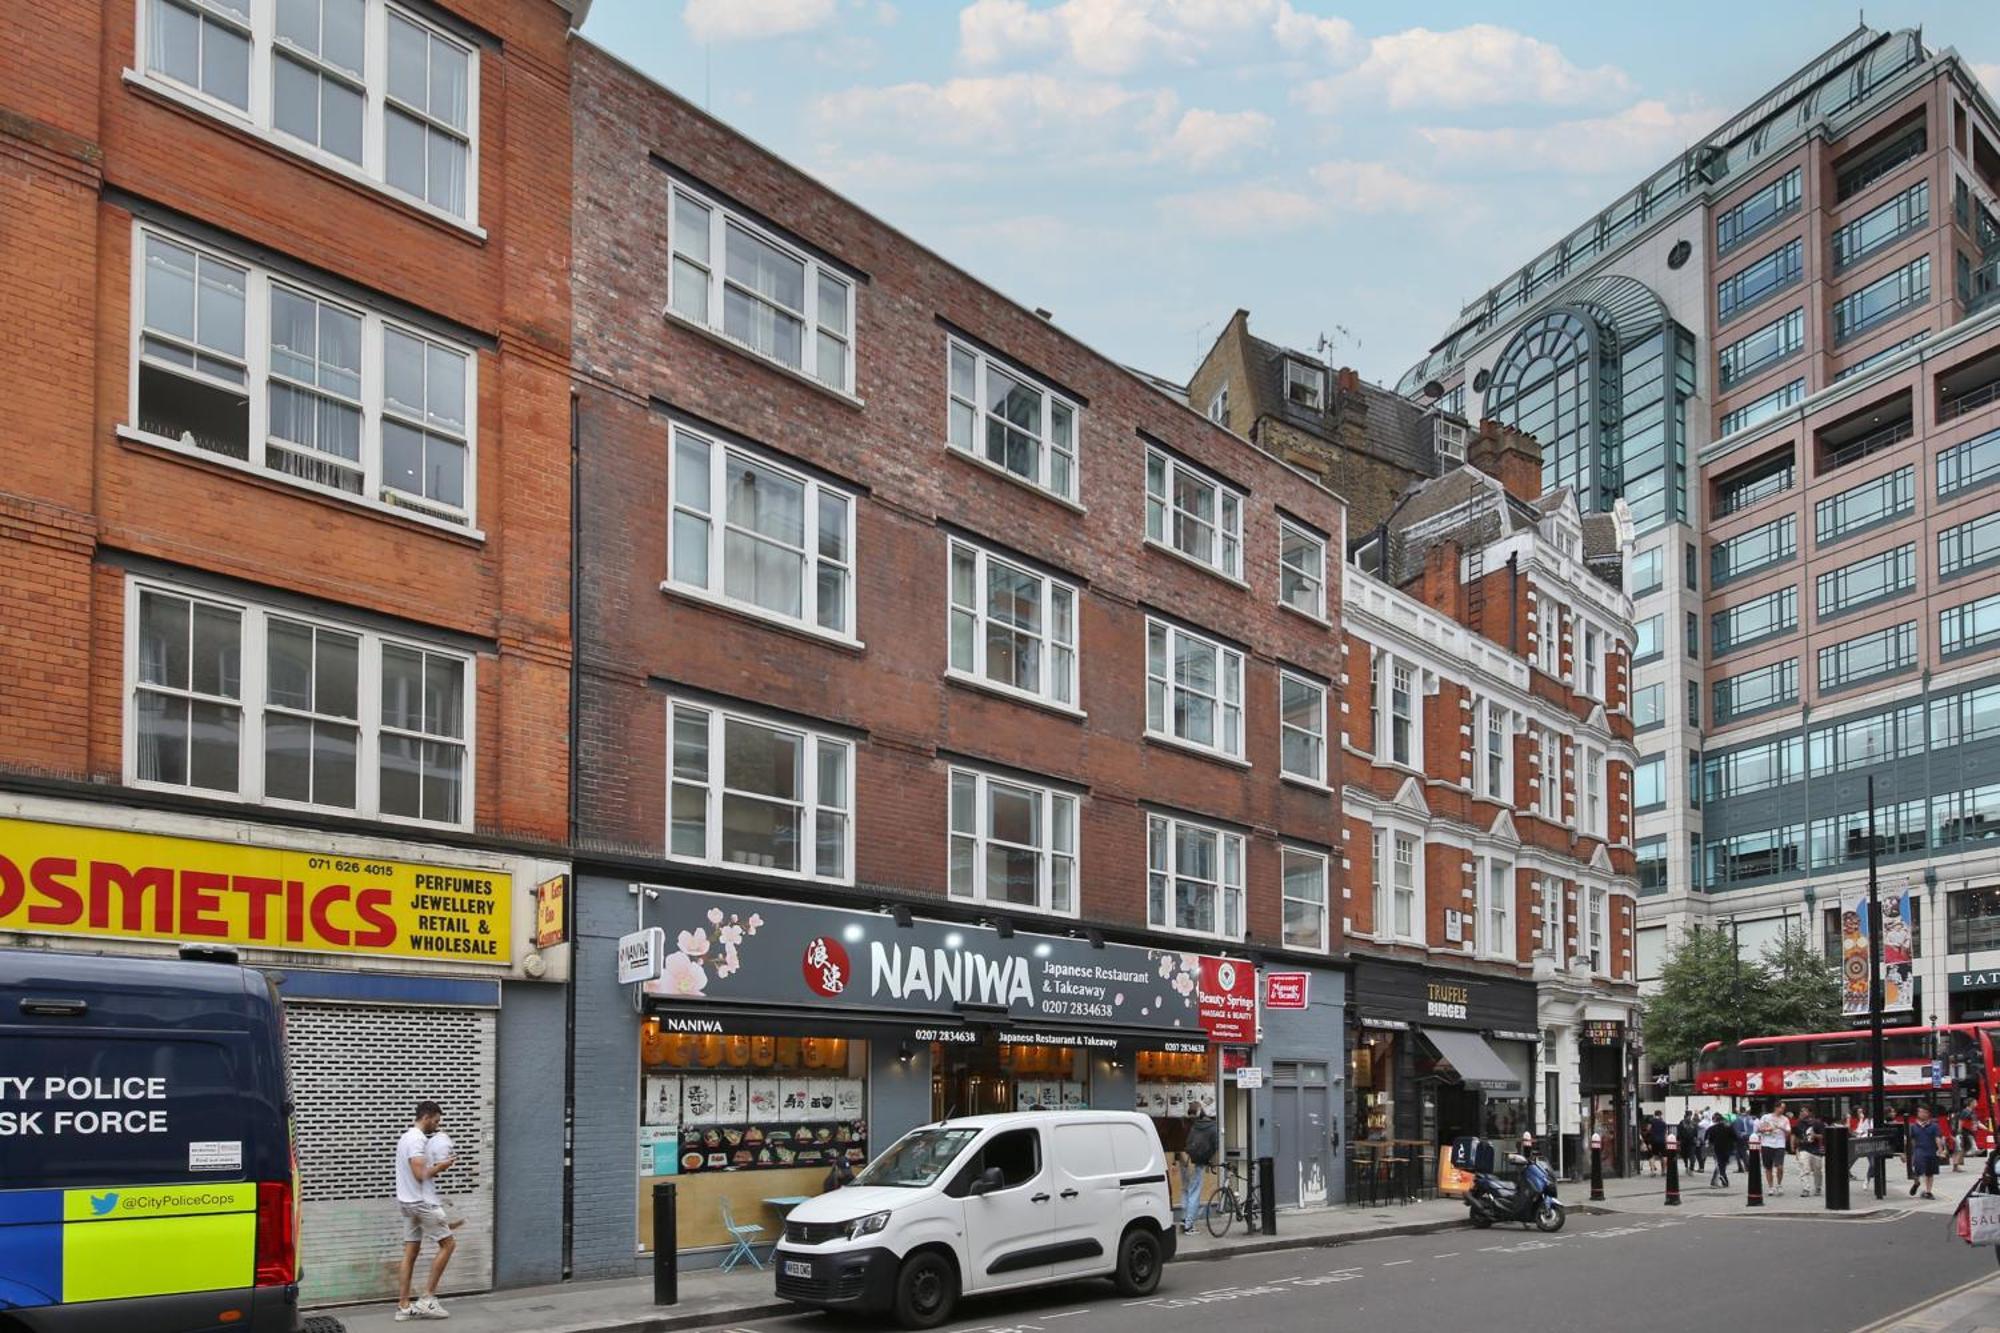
(784, 1203)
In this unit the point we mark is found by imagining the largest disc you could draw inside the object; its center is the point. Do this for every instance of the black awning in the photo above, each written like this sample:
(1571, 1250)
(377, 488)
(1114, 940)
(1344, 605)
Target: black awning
(1475, 1063)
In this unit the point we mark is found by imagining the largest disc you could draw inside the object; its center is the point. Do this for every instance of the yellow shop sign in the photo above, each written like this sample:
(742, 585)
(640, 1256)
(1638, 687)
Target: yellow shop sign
(63, 879)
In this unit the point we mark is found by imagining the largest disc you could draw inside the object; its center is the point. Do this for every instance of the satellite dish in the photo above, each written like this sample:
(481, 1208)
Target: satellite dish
(1432, 389)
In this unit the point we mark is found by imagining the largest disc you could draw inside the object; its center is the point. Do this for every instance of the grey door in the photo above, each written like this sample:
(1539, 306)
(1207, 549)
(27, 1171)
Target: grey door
(1302, 1113)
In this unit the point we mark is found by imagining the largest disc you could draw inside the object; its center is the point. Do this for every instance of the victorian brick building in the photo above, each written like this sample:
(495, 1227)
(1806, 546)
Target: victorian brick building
(284, 563)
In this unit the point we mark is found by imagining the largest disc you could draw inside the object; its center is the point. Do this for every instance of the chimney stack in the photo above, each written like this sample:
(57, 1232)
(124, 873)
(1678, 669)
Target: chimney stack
(1505, 453)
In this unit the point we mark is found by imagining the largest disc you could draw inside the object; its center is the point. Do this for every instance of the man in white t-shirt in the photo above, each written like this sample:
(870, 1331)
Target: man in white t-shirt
(423, 1212)
(1774, 1136)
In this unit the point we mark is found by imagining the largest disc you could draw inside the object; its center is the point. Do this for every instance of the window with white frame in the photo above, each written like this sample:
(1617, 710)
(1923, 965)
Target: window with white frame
(1305, 384)
(363, 84)
(1194, 878)
(1600, 960)
(1548, 638)
(733, 277)
(747, 792)
(758, 535)
(1551, 775)
(1402, 712)
(1012, 842)
(1001, 415)
(1404, 916)
(1194, 514)
(1194, 689)
(1301, 569)
(1302, 727)
(1499, 925)
(255, 368)
(1552, 918)
(1012, 626)
(1592, 686)
(1218, 406)
(1495, 754)
(1378, 880)
(1593, 792)
(1375, 701)
(233, 699)
(1304, 888)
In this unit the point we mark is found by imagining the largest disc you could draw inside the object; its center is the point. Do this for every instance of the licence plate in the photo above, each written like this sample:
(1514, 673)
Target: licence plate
(798, 1268)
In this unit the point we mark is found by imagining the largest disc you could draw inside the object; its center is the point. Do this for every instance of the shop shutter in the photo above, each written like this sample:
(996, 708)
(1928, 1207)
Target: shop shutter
(358, 1072)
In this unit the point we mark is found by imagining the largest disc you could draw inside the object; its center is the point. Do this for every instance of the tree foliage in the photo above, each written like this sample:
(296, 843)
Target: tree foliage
(1707, 994)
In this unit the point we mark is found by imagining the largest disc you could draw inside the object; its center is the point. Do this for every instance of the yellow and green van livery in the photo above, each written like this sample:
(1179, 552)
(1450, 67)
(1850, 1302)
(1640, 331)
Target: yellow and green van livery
(63, 1246)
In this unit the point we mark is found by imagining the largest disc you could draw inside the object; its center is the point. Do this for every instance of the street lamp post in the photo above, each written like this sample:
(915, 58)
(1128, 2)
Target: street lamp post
(1875, 1108)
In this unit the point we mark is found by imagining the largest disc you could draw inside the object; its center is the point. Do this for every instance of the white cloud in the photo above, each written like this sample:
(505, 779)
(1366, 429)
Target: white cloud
(1003, 114)
(1204, 139)
(1990, 76)
(1115, 37)
(1479, 65)
(1336, 189)
(1643, 135)
(739, 20)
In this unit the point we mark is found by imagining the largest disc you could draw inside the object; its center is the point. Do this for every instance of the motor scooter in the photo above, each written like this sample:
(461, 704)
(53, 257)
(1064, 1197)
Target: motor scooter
(1531, 1200)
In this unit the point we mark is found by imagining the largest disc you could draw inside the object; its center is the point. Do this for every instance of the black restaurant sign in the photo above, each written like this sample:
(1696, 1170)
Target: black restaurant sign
(1433, 997)
(724, 950)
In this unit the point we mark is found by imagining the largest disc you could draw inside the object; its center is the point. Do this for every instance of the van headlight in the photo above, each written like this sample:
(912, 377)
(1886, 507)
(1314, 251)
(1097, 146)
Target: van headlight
(867, 1226)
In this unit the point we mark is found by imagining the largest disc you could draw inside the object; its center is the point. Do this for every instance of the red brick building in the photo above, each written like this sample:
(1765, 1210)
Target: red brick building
(1487, 800)
(284, 545)
(894, 594)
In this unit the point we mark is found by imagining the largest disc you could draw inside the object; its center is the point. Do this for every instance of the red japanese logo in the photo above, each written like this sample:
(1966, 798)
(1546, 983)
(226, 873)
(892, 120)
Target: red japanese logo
(825, 966)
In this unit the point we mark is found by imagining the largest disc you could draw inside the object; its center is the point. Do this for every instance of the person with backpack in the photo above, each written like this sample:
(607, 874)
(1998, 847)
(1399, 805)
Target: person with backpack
(1197, 1155)
(1721, 1142)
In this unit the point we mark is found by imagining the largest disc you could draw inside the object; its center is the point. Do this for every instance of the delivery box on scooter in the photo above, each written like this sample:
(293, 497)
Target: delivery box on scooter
(1472, 1154)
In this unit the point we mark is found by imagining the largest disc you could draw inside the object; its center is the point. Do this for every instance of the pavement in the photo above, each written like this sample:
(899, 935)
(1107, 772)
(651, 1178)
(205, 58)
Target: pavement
(709, 1298)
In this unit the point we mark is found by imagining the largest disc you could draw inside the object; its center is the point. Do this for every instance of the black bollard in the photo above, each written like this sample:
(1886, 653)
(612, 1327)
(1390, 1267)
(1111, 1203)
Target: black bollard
(1267, 1190)
(666, 1246)
(1597, 1168)
(1836, 1169)
(1755, 1159)
(1673, 1170)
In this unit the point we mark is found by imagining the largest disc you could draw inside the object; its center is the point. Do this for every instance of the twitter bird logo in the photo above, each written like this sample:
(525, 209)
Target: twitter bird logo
(100, 1204)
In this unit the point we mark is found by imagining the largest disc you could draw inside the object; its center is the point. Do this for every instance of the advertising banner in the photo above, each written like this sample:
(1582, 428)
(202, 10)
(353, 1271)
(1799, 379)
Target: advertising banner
(1286, 990)
(734, 950)
(1228, 1001)
(1898, 956)
(92, 883)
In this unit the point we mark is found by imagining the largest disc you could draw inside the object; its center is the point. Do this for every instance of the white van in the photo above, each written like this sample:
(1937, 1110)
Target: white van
(981, 1204)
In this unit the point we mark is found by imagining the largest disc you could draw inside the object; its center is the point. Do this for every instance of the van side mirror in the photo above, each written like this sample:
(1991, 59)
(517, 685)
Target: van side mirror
(987, 1181)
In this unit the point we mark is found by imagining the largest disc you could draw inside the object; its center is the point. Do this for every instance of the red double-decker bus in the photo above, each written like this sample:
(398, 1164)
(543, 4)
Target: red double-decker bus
(1831, 1070)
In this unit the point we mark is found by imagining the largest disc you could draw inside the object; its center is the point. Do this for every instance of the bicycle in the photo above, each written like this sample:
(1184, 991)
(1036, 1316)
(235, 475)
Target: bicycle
(1225, 1206)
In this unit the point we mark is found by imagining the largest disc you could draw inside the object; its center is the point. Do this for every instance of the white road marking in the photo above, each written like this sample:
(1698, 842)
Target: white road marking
(1398, 1263)
(1065, 1314)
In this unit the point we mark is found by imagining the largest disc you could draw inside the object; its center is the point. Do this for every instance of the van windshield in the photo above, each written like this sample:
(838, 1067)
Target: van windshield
(918, 1158)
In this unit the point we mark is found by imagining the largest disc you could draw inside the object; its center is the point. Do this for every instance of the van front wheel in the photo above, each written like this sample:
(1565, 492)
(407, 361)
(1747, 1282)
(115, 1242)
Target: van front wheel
(1139, 1262)
(926, 1291)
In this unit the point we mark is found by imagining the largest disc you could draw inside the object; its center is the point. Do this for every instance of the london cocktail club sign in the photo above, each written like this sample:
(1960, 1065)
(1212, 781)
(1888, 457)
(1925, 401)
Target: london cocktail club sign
(736, 951)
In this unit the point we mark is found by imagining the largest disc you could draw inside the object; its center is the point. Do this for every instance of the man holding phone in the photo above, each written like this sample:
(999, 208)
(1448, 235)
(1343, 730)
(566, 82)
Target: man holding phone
(423, 1212)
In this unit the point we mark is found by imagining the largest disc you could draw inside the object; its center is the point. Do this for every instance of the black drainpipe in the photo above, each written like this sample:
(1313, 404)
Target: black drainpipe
(569, 905)
(1514, 604)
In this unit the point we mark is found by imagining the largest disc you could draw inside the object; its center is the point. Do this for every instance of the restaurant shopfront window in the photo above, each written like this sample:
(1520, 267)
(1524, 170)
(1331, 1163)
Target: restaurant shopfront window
(778, 1042)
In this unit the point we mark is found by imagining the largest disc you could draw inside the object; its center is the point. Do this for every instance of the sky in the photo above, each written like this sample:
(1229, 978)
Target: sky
(1351, 174)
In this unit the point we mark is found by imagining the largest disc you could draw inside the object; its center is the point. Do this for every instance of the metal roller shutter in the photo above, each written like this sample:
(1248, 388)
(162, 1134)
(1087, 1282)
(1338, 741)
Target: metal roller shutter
(358, 1072)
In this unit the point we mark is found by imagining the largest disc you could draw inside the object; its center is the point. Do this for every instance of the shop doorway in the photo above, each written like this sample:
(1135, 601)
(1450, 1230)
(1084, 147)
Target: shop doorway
(990, 1077)
(1303, 1122)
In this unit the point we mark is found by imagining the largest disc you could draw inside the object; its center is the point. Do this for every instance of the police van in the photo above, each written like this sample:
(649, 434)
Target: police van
(147, 1175)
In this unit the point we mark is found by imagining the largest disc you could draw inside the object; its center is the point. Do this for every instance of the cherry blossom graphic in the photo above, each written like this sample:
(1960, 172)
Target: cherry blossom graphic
(684, 974)
(680, 976)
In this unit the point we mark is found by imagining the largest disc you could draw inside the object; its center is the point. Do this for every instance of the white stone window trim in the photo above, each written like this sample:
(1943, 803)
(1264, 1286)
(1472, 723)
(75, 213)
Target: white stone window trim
(1224, 837)
(719, 715)
(259, 121)
(374, 495)
(1505, 947)
(253, 622)
(720, 447)
(1050, 800)
(720, 218)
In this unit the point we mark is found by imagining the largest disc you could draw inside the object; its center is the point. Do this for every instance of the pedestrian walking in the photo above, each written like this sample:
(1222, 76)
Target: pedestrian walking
(1964, 1139)
(1746, 1141)
(422, 1209)
(1809, 1136)
(1685, 1135)
(1197, 1152)
(1925, 1138)
(1860, 1125)
(1721, 1142)
(1656, 1142)
(1774, 1139)
(1701, 1125)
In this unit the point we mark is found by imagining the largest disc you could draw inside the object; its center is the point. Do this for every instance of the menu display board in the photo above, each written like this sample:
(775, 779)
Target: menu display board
(692, 1123)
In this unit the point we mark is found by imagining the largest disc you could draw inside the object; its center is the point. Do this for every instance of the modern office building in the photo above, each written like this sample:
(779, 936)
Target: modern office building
(1786, 299)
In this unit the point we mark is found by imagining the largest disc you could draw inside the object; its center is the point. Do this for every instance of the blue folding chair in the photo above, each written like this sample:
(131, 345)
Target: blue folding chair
(743, 1235)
